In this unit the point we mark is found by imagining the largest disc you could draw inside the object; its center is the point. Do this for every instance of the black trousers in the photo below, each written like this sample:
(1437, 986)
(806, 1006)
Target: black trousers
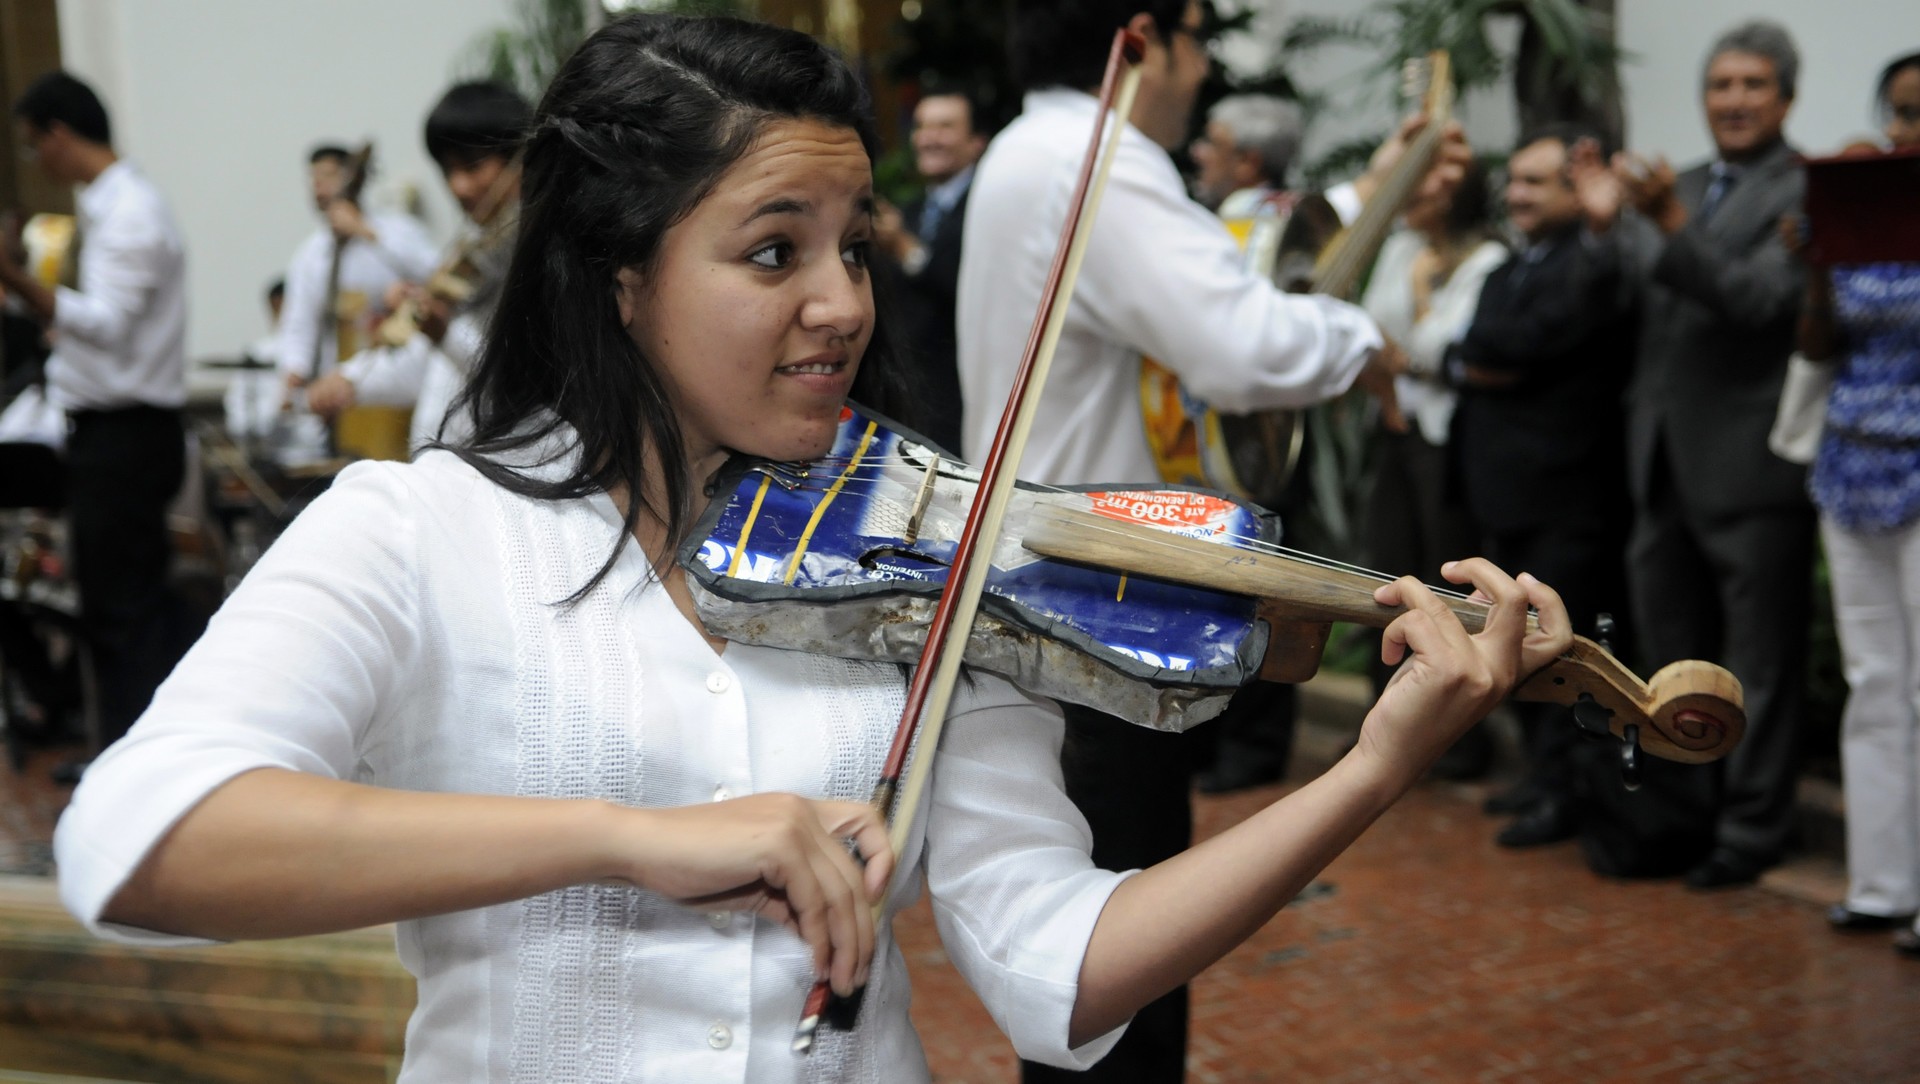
(1255, 732)
(123, 469)
(1132, 785)
(1584, 565)
(1415, 520)
(1735, 590)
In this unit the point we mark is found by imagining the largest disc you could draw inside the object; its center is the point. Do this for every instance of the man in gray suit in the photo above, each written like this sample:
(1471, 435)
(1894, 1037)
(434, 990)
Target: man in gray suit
(1723, 531)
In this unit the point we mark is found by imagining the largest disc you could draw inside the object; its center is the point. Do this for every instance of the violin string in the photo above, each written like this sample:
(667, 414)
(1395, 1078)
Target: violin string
(878, 471)
(1250, 543)
(1243, 542)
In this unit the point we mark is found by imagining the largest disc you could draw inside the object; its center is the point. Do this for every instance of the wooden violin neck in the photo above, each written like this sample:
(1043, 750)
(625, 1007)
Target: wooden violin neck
(1692, 712)
(1289, 587)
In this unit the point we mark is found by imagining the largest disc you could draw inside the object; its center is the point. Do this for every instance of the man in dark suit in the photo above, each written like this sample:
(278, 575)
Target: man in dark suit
(923, 238)
(1537, 433)
(1723, 534)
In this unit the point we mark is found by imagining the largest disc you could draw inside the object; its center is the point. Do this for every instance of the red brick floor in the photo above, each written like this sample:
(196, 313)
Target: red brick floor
(1429, 954)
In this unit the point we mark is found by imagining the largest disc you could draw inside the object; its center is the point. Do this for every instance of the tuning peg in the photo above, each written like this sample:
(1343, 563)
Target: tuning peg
(1630, 756)
(1604, 630)
(1592, 717)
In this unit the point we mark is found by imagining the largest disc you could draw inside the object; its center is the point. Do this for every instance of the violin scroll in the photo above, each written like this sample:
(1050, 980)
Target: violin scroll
(1691, 712)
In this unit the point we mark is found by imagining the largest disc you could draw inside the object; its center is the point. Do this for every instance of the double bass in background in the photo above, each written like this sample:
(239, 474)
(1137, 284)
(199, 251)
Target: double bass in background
(360, 432)
(1296, 241)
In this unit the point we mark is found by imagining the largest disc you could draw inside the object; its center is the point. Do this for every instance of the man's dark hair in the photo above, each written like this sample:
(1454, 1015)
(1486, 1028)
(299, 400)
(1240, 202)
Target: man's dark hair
(635, 130)
(473, 121)
(1064, 43)
(977, 119)
(326, 152)
(1884, 86)
(57, 96)
(276, 290)
(1566, 133)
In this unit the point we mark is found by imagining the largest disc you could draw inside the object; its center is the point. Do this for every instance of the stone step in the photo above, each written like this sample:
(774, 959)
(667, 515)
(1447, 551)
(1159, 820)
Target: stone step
(327, 1010)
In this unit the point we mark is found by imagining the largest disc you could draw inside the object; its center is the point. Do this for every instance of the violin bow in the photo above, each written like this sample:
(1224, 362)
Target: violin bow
(931, 690)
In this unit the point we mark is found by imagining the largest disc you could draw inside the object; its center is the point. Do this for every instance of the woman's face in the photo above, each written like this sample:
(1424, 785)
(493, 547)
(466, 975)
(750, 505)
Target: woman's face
(1903, 108)
(759, 307)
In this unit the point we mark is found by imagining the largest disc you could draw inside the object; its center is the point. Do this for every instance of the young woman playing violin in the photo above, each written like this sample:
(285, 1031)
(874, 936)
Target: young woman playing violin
(469, 695)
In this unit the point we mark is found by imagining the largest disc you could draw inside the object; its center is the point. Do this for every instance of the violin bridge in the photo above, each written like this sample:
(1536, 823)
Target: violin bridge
(922, 500)
(788, 476)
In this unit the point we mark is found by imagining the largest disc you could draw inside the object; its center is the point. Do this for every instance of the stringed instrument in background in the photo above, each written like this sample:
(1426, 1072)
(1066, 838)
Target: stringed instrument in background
(360, 432)
(47, 245)
(475, 259)
(1296, 242)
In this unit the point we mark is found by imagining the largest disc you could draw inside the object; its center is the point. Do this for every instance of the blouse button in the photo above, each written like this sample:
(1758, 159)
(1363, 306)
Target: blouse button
(719, 1036)
(719, 682)
(720, 920)
(721, 794)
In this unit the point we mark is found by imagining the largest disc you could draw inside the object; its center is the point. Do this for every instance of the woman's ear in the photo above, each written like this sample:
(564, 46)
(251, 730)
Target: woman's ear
(627, 292)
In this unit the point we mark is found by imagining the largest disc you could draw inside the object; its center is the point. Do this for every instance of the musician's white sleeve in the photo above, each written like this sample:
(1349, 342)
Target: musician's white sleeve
(300, 308)
(389, 375)
(1014, 892)
(404, 246)
(1163, 274)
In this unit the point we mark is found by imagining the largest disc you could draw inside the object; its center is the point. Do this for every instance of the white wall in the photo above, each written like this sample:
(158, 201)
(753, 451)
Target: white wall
(220, 100)
(1843, 44)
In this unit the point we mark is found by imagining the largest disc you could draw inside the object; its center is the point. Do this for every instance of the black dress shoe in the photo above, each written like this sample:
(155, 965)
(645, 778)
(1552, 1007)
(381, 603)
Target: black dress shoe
(1726, 868)
(1907, 943)
(1549, 821)
(1518, 798)
(1847, 920)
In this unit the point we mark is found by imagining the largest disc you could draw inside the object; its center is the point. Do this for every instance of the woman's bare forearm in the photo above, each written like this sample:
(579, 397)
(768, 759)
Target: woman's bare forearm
(276, 853)
(1168, 923)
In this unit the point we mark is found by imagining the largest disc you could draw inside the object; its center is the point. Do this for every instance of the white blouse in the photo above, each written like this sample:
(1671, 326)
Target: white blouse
(1426, 400)
(405, 632)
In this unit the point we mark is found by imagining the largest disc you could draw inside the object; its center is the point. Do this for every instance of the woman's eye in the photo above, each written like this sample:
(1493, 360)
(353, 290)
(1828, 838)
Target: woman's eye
(773, 257)
(857, 253)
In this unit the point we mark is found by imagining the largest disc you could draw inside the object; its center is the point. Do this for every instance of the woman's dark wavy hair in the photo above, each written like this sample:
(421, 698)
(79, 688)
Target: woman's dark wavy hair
(1884, 86)
(635, 130)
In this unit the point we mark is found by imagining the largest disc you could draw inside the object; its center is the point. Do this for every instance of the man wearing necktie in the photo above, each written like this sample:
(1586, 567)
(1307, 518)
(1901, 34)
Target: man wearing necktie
(1723, 531)
(923, 239)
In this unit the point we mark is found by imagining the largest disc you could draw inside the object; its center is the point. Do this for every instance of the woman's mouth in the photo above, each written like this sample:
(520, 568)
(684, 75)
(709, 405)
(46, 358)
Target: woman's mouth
(810, 368)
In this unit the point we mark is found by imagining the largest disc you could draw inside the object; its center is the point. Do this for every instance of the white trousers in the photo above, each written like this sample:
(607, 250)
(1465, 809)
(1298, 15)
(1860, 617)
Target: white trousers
(1876, 608)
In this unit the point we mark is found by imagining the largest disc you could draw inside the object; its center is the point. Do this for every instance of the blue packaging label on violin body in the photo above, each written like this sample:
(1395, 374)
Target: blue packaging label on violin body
(847, 556)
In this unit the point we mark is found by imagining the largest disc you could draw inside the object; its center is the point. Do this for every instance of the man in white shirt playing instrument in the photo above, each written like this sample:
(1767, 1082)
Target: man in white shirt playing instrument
(1162, 277)
(473, 133)
(119, 371)
(377, 250)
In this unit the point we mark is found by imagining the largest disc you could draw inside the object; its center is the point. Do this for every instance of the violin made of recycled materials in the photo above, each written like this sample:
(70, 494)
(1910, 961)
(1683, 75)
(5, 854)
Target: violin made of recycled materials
(1151, 603)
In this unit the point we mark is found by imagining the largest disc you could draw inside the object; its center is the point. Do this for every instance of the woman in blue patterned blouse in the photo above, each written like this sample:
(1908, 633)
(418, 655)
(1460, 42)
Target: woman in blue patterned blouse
(1865, 318)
